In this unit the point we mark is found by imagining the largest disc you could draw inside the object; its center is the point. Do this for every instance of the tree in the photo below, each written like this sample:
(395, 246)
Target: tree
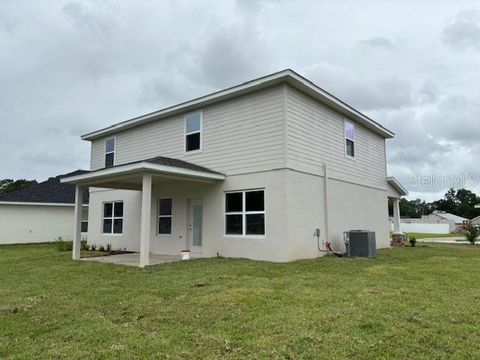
(460, 202)
(9, 185)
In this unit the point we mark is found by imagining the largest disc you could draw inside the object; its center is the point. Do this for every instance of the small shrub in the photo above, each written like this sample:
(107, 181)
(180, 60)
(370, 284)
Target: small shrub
(101, 248)
(93, 247)
(412, 240)
(472, 234)
(63, 245)
(108, 248)
(83, 244)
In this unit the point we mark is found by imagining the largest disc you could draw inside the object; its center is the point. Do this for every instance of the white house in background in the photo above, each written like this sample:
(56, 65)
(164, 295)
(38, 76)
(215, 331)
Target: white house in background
(40, 212)
(250, 171)
(475, 221)
(455, 222)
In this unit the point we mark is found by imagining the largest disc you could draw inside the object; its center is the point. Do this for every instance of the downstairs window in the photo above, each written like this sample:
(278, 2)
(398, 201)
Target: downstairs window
(245, 213)
(113, 217)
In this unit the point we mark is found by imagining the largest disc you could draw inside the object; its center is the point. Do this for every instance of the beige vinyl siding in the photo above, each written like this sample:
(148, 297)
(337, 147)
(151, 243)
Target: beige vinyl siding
(315, 134)
(241, 135)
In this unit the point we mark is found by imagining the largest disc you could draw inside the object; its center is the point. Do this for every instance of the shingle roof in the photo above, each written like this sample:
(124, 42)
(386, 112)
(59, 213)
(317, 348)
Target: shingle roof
(50, 191)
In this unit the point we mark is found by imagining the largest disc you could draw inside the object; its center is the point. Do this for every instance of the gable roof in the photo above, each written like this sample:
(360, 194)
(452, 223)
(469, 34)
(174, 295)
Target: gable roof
(393, 182)
(449, 216)
(51, 191)
(158, 165)
(285, 76)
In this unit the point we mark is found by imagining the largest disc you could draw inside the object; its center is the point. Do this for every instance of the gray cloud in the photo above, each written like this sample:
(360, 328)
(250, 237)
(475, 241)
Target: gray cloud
(377, 42)
(464, 31)
(70, 67)
(365, 92)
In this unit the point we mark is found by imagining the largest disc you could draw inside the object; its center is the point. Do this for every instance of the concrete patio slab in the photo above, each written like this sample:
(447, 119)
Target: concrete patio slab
(133, 259)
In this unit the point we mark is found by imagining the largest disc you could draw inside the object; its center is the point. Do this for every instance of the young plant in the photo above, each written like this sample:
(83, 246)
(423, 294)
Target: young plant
(93, 247)
(412, 240)
(472, 234)
(101, 248)
(83, 244)
(63, 245)
(108, 248)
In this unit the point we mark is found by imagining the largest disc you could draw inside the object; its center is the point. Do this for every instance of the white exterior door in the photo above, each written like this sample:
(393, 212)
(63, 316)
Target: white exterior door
(195, 226)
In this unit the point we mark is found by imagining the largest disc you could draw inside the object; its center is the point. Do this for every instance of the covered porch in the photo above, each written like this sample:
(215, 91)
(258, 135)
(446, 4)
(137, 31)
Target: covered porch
(395, 193)
(143, 176)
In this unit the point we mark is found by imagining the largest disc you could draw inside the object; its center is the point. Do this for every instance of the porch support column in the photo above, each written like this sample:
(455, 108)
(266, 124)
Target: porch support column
(146, 220)
(396, 216)
(77, 227)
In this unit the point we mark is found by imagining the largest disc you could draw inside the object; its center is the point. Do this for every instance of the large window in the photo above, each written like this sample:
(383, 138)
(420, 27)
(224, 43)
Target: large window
(193, 132)
(245, 213)
(109, 152)
(84, 224)
(165, 216)
(349, 139)
(113, 217)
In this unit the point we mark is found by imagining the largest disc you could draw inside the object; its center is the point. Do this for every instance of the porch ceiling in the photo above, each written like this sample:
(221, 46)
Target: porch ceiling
(129, 176)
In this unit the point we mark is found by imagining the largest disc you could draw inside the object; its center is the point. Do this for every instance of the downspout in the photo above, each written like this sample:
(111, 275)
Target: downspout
(325, 190)
(328, 244)
(325, 211)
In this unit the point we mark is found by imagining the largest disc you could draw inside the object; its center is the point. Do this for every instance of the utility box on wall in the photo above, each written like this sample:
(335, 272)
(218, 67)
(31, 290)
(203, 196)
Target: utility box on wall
(360, 243)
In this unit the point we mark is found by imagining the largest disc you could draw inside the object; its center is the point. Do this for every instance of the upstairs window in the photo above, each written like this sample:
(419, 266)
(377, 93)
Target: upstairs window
(113, 217)
(349, 139)
(109, 152)
(165, 216)
(245, 213)
(193, 132)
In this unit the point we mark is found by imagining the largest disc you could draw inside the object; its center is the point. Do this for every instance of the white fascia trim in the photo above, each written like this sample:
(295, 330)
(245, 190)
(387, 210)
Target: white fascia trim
(142, 166)
(34, 203)
(396, 184)
(295, 80)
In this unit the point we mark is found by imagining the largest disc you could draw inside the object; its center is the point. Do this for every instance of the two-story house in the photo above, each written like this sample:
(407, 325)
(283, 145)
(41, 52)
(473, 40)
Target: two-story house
(250, 171)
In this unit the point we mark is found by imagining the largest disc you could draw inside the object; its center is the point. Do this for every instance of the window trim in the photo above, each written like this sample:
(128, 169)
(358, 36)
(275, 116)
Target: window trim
(105, 152)
(82, 221)
(244, 214)
(185, 134)
(164, 216)
(345, 138)
(112, 218)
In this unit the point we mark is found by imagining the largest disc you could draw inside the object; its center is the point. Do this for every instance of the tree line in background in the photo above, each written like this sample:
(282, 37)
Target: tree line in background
(460, 202)
(9, 185)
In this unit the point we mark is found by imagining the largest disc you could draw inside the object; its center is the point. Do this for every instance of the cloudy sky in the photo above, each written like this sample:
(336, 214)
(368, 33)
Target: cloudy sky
(69, 67)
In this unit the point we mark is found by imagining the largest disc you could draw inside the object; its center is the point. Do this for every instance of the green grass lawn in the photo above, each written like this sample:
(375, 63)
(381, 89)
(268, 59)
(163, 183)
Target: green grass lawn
(408, 303)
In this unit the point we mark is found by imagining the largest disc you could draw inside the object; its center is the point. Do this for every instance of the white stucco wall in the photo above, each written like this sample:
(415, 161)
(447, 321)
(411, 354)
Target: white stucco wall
(35, 223)
(350, 207)
(294, 208)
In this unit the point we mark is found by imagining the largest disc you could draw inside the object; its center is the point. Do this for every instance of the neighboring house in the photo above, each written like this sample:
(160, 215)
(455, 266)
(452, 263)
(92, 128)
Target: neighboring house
(40, 212)
(475, 221)
(251, 171)
(455, 222)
